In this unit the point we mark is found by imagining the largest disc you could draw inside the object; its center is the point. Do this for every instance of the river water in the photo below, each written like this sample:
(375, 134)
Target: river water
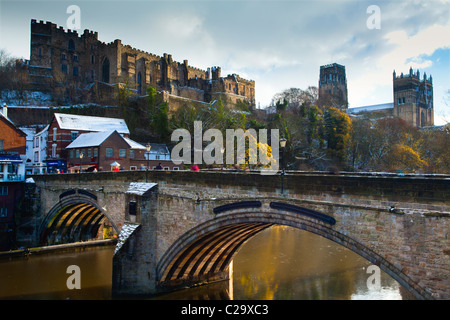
(280, 263)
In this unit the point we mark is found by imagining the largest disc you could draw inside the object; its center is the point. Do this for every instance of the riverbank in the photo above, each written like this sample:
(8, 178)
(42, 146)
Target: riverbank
(67, 247)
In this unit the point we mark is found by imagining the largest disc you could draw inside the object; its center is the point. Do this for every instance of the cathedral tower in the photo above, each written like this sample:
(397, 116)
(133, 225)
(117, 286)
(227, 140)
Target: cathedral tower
(333, 86)
(413, 98)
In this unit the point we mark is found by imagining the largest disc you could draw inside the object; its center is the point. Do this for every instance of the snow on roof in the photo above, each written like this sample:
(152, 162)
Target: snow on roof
(91, 139)
(95, 139)
(90, 123)
(134, 144)
(374, 107)
(140, 188)
(43, 130)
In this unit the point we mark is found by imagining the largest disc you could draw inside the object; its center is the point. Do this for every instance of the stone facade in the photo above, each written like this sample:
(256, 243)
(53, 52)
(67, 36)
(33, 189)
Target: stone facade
(413, 101)
(82, 61)
(333, 86)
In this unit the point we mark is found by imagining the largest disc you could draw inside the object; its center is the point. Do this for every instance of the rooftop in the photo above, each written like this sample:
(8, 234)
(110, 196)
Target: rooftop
(91, 123)
(95, 139)
(374, 107)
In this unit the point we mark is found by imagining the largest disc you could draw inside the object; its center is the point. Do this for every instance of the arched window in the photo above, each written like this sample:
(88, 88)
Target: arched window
(71, 45)
(139, 82)
(105, 70)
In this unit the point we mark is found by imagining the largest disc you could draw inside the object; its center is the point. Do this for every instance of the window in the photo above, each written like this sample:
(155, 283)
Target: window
(131, 154)
(132, 168)
(2, 144)
(40, 52)
(109, 152)
(64, 68)
(122, 153)
(74, 135)
(12, 168)
(75, 71)
(36, 142)
(92, 59)
(71, 153)
(89, 153)
(3, 212)
(95, 152)
(36, 156)
(132, 206)
(71, 45)
(55, 131)
(75, 58)
(54, 150)
(77, 153)
(3, 191)
(63, 56)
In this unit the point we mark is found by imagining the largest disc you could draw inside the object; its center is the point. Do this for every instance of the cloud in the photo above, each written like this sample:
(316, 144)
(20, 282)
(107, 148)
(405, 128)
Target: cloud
(413, 50)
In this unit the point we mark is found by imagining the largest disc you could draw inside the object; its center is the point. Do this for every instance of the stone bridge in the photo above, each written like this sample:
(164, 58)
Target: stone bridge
(184, 228)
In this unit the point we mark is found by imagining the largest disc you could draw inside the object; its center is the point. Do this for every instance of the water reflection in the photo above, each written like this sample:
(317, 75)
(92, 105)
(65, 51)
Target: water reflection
(295, 264)
(278, 263)
(44, 276)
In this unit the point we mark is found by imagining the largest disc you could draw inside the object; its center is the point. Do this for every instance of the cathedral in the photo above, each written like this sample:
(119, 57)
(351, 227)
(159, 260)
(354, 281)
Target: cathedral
(412, 96)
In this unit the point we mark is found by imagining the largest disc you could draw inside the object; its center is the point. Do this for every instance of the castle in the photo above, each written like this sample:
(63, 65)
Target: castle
(61, 58)
(413, 97)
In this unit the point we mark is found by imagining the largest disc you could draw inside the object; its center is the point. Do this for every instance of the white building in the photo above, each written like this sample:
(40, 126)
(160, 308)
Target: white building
(40, 152)
(30, 132)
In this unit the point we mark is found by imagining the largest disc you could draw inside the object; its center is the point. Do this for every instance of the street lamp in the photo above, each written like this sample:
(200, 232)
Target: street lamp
(81, 157)
(148, 147)
(282, 146)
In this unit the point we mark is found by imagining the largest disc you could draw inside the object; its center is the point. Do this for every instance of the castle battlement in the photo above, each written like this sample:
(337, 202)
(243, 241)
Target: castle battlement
(85, 60)
(411, 74)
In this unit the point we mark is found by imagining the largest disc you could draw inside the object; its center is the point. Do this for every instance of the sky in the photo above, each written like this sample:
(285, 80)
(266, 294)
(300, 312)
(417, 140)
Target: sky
(280, 44)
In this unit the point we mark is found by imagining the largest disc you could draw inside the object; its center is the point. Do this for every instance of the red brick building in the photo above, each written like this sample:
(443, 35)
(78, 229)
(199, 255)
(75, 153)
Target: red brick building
(65, 128)
(98, 150)
(12, 139)
(109, 150)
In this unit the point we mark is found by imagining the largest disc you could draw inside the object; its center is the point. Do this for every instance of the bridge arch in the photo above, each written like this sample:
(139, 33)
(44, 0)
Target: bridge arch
(76, 217)
(204, 253)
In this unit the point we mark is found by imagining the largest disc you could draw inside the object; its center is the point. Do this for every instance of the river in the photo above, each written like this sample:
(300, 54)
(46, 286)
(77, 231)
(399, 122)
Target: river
(280, 263)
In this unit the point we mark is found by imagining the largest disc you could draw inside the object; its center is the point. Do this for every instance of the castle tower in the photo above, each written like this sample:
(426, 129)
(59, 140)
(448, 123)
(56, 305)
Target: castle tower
(333, 86)
(413, 98)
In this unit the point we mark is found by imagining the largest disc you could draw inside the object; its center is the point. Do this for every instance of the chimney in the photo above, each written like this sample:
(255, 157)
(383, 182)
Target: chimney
(5, 110)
